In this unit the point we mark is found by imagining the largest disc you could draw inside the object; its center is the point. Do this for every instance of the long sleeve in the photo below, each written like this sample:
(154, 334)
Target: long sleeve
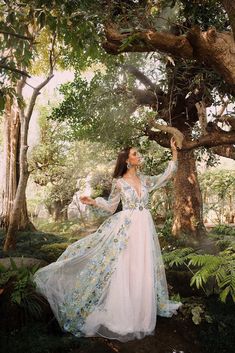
(157, 181)
(111, 204)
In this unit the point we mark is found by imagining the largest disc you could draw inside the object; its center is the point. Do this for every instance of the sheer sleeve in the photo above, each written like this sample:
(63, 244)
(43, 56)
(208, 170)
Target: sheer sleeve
(157, 181)
(111, 204)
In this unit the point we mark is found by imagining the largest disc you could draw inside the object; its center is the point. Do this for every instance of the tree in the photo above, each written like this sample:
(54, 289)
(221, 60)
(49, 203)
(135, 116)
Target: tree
(106, 114)
(196, 74)
(22, 26)
(196, 62)
(218, 194)
(200, 66)
(57, 163)
(16, 120)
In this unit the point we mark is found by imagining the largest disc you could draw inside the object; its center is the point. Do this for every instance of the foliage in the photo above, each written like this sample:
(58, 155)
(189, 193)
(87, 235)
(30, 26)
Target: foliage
(218, 189)
(103, 114)
(207, 14)
(50, 240)
(166, 230)
(57, 163)
(53, 164)
(196, 309)
(29, 28)
(224, 229)
(206, 269)
(34, 245)
(23, 293)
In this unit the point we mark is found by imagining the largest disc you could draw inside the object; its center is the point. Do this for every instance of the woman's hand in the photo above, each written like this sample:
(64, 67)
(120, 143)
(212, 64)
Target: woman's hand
(173, 144)
(173, 148)
(87, 200)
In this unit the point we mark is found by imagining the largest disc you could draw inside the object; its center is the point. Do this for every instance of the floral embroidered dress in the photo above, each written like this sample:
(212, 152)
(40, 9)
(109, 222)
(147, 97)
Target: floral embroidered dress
(112, 282)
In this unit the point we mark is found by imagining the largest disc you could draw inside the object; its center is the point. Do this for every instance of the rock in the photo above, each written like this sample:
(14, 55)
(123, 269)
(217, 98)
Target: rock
(22, 261)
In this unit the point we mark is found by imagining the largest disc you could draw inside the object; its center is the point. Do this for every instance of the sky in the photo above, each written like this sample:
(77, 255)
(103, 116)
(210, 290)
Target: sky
(50, 90)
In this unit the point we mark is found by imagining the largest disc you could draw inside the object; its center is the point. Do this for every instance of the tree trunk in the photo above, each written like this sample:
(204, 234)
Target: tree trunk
(18, 212)
(188, 215)
(60, 211)
(12, 131)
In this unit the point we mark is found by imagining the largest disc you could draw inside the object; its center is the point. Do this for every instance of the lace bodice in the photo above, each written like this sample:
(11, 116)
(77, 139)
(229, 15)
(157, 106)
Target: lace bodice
(122, 190)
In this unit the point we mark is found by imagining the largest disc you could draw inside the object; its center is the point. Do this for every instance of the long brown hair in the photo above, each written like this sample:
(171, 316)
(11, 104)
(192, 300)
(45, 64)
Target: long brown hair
(121, 164)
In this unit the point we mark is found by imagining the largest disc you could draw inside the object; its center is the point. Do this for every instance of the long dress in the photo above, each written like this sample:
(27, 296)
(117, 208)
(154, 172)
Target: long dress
(112, 282)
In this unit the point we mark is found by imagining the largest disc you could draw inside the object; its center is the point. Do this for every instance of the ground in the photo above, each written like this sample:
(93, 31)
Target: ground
(179, 334)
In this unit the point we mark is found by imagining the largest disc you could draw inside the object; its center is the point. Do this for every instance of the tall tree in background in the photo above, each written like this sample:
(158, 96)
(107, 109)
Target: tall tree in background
(23, 27)
(18, 113)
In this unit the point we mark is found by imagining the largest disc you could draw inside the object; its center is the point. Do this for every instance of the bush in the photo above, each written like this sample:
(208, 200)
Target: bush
(224, 229)
(22, 289)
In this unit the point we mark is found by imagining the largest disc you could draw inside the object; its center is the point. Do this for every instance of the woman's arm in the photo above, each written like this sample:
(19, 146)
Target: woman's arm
(109, 205)
(157, 181)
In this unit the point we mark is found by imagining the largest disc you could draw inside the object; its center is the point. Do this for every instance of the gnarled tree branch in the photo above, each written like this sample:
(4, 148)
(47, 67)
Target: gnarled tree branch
(214, 49)
(146, 41)
(227, 151)
(216, 137)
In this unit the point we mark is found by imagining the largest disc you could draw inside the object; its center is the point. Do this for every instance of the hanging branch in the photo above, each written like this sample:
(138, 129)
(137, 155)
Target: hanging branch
(13, 69)
(202, 46)
(214, 137)
(17, 35)
(143, 78)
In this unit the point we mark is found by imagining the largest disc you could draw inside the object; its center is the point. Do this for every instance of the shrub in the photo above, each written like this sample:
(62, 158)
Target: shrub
(22, 288)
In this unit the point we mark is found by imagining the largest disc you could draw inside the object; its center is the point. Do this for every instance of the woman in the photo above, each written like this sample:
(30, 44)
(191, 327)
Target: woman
(112, 282)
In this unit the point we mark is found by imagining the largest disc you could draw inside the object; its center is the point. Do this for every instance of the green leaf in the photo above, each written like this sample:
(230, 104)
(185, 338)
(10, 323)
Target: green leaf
(223, 295)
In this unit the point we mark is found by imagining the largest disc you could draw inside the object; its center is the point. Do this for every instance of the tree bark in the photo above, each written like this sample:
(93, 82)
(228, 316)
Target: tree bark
(188, 208)
(12, 132)
(227, 151)
(60, 211)
(19, 199)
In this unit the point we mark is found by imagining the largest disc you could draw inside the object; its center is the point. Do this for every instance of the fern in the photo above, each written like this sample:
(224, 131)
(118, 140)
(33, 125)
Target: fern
(219, 269)
(23, 293)
(177, 257)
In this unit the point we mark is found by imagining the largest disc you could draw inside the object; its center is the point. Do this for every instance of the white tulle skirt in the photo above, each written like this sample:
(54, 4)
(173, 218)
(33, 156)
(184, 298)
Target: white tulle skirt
(128, 309)
(135, 293)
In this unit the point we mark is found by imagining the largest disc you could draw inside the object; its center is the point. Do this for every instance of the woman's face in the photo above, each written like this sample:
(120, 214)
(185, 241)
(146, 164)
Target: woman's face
(134, 157)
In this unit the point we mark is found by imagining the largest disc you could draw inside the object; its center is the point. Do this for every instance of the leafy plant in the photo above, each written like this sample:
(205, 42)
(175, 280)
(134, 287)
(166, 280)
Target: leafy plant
(218, 270)
(23, 289)
(224, 229)
(196, 310)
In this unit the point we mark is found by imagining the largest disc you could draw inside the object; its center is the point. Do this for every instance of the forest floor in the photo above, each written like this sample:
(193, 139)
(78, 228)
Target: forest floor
(178, 334)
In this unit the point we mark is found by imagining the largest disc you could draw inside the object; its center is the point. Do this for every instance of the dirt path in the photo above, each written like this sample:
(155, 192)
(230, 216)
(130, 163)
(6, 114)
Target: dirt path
(172, 335)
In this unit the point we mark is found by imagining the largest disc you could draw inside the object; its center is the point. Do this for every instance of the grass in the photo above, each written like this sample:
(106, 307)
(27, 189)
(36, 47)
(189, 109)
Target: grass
(50, 239)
